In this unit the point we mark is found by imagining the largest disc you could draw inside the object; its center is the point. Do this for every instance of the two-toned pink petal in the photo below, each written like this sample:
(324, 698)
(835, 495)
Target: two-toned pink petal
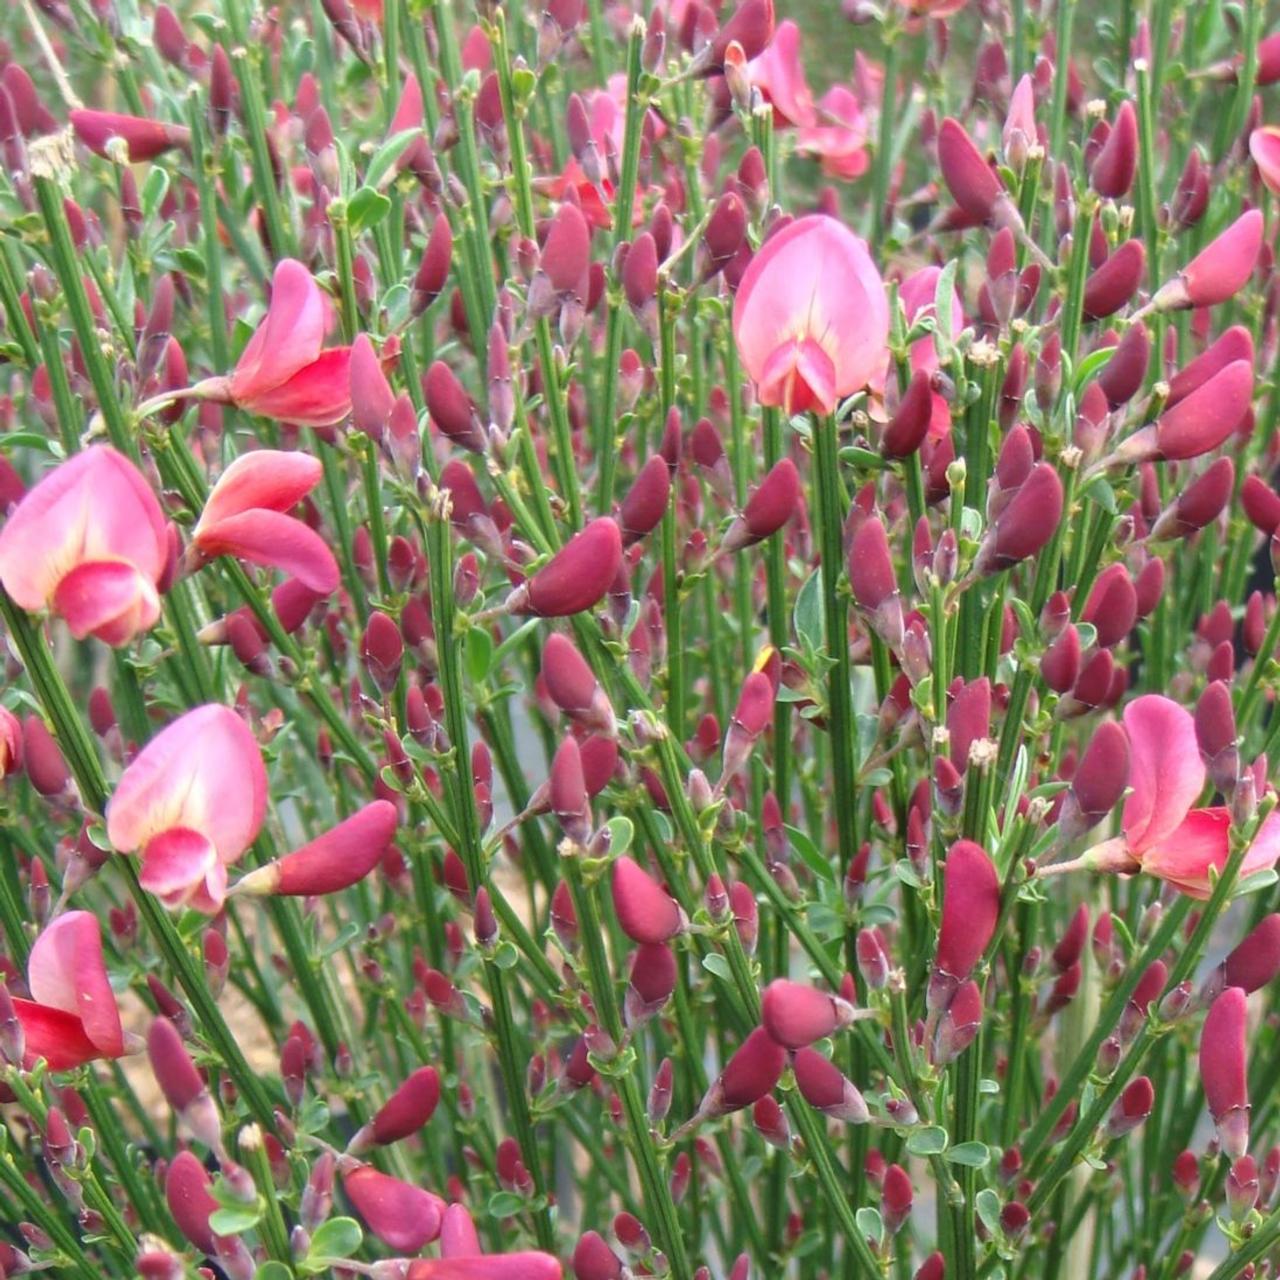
(317, 395)
(271, 479)
(109, 599)
(204, 772)
(66, 971)
(288, 339)
(277, 542)
(1166, 773)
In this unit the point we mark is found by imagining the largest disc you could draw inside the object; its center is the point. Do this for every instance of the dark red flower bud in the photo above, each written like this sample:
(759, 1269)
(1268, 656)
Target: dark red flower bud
(451, 409)
(1256, 961)
(968, 719)
(1216, 735)
(1124, 373)
(1219, 271)
(645, 911)
(46, 769)
(896, 1198)
(910, 423)
(577, 577)
(568, 791)
(188, 1193)
(1113, 168)
(594, 1260)
(1200, 503)
(970, 905)
(796, 1015)
(772, 504)
(408, 1109)
(959, 1024)
(1234, 344)
(1224, 1068)
(573, 687)
(1112, 607)
(143, 139)
(726, 231)
(1028, 522)
(825, 1088)
(640, 272)
(646, 501)
(1132, 1108)
(1060, 665)
(1261, 504)
(1116, 281)
(382, 651)
(433, 271)
(973, 183)
(751, 27)
(1099, 781)
(566, 254)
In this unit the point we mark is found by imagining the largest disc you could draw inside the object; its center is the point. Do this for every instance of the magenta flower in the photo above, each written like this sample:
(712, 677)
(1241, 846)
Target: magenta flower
(192, 801)
(1163, 834)
(246, 516)
(89, 544)
(72, 1017)
(284, 372)
(811, 319)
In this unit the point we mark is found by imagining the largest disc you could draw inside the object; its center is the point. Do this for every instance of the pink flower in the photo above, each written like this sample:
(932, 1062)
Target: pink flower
(1163, 834)
(1264, 147)
(779, 75)
(838, 136)
(811, 319)
(245, 517)
(89, 543)
(283, 372)
(72, 1016)
(192, 801)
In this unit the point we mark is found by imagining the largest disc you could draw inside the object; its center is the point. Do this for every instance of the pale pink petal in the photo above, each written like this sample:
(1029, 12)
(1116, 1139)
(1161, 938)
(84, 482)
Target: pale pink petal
(94, 506)
(271, 479)
(799, 376)
(57, 1037)
(1264, 147)
(317, 395)
(839, 140)
(814, 280)
(1166, 774)
(1184, 856)
(778, 73)
(204, 772)
(277, 541)
(109, 599)
(176, 862)
(289, 337)
(66, 971)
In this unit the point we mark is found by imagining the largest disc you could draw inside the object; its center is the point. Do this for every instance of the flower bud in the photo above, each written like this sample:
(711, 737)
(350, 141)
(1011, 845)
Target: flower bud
(768, 508)
(577, 577)
(970, 905)
(958, 1026)
(645, 911)
(896, 1199)
(825, 1088)
(796, 1015)
(1132, 1108)
(1115, 282)
(1223, 1070)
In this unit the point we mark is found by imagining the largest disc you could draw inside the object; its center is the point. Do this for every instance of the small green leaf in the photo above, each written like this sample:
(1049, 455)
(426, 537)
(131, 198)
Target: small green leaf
(506, 956)
(337, 1239)
(505, 1204)
(366, 209)
(1102, 493)
(972, 1155)
(383, 162)
(988, 1206)
(621, 833)
(928, 1142)
(273, 1271)
(811, 854)
(231, 1222)
(715, 963)
(944, 296)
(870, 1223)
(808, 612)
(154, 190)
(1255, 883)
(907, 873)
(1092, 365)
(479, 654)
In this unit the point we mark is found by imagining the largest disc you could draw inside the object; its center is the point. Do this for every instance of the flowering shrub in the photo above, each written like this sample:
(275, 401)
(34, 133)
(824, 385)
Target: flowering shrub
(623, 664)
